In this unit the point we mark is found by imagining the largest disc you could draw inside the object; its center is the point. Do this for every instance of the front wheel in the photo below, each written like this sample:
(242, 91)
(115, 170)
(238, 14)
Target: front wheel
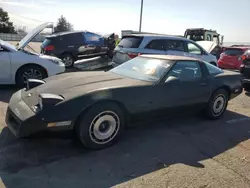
(217, 104)
(29, 72)
(101, 126)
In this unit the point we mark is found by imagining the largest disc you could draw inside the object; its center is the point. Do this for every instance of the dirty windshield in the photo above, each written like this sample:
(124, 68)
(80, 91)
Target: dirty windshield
(143, 68)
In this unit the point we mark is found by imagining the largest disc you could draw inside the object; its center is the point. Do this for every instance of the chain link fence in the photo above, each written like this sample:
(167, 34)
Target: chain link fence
(18, 37)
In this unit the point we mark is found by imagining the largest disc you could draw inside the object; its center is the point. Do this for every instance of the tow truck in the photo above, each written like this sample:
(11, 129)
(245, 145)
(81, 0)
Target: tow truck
(201, 34)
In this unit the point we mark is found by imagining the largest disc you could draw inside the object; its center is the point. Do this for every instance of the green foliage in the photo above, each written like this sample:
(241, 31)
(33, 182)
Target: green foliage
(63, 25)
(5, 25)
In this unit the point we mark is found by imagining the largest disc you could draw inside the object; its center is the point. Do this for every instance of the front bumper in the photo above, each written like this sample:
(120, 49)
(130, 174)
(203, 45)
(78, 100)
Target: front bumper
(20, 119)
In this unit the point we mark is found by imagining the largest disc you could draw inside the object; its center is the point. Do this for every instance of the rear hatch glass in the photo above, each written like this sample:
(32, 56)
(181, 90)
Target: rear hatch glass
(233, 52)
(130, 42)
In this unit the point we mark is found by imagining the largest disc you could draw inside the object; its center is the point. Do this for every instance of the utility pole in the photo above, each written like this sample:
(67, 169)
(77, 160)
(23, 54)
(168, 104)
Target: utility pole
(141, 16)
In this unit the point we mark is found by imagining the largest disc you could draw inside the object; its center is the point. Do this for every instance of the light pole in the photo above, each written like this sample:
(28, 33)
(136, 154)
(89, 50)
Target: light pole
(141, 15)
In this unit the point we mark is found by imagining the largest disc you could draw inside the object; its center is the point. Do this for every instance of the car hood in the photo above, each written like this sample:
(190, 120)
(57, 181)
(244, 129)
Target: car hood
(207, 45)
(33, 34)
(70, 85)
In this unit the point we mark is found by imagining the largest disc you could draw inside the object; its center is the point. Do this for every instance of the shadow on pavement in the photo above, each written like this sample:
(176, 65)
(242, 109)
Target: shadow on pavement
(62, 162)
(6, 92)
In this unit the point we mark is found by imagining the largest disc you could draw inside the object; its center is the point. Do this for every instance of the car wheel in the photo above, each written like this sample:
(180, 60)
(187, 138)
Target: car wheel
(217, 104)
(246, 87)
(101, 126)
(29, 72)
(68, 60)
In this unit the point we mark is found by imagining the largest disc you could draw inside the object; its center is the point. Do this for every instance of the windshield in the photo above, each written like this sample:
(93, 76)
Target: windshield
(8, 45)
(143, 68)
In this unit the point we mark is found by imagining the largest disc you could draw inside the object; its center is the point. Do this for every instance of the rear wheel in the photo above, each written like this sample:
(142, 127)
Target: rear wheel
(68, 60)
(29, 72)
(217, 104)
(101, 126)
(246, 87)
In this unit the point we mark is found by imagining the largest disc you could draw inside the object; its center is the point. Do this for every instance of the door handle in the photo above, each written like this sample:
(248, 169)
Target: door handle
(203, 84)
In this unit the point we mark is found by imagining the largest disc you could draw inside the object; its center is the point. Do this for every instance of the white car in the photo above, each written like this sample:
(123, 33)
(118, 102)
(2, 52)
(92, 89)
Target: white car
(17, 65)
(133, 45)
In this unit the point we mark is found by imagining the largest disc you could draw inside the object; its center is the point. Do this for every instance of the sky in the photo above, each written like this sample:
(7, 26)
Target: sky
(228, 17)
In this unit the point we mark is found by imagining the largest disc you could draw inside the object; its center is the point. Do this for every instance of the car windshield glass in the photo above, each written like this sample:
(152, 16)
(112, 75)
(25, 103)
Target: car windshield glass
(213, 69)
(8, 45)
(143, 68)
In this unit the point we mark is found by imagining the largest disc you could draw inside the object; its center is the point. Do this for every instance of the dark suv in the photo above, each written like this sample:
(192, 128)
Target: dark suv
(245, 70)
(71, 46)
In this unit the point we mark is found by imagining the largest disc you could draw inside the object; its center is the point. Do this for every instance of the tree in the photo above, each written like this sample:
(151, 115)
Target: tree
(63, 25)
(5, 25)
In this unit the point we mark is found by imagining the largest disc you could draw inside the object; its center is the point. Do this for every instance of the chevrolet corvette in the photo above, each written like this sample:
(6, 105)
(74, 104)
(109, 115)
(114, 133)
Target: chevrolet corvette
(98, 105)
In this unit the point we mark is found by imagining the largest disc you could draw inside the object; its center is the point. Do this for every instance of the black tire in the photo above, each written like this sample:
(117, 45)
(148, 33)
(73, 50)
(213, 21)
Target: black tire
(25, 73)
(68, 60)
(221, 96)
(85, 126)
(246, 87)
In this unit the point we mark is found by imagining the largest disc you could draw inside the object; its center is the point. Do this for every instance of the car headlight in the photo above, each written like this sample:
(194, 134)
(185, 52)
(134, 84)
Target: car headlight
(56, 61)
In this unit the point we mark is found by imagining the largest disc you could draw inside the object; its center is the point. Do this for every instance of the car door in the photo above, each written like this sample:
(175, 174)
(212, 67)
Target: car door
(184, 88)
(5, 65)
(93, 44)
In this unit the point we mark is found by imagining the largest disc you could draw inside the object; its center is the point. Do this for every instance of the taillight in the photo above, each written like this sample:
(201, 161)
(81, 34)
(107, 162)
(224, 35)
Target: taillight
(133, 55)
(49, 48)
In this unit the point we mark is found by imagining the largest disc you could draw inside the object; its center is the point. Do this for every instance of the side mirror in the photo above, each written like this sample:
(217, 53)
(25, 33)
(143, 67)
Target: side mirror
(172, 79)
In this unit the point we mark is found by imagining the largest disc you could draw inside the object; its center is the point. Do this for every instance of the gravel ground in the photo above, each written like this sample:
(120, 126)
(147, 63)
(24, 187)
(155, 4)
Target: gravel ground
(182, 152)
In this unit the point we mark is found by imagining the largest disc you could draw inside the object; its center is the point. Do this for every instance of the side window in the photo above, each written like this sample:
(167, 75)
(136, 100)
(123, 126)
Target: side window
(157, 45)
(212, 69)
(193, 49)
(175, 45)
(90, 37)
(185, 71)
(209, 37)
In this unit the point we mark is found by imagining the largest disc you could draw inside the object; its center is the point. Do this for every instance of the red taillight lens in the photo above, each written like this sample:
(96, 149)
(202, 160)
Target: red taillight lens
(133, 55)
(49, 48)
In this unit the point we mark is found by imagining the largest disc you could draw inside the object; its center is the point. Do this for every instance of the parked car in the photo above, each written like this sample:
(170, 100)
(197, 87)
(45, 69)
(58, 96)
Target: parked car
(17, 64)
(133, 45)
(245, 70)
(229, 58)
(72, 46)
(98, 105)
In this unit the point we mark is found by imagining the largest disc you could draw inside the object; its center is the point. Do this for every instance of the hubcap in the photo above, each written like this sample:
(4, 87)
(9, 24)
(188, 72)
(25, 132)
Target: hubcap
(104, 127)
(219, 104)
(67, 61)
(32, 74)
